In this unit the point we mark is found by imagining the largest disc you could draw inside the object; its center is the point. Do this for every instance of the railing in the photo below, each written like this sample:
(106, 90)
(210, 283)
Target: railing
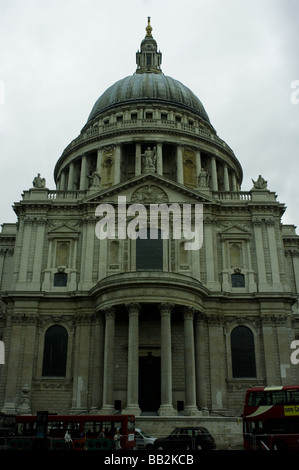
(60, 194)
(138, 124)
(221, 195)
(232, 195)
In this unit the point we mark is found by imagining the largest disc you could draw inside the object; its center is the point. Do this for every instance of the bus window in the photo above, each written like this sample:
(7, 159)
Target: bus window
(74, 429)
(55, 428)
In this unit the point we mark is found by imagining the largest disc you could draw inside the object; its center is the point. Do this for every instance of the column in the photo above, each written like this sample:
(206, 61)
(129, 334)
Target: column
(70, 182)
(190, 384)
(39, 244)
(138, 159)
(214, 174)
(117, 164)
(159, 159)
(179, 164)
(83, 173)
(234, 182)
(198, 164)
(133, 361)
(166, 407)
(201, 376)
(62, 181)
(226, 178)
(81, 364)
(97, 383)
(276, 284)
(108, 379)
(25, 247)
(258, 237)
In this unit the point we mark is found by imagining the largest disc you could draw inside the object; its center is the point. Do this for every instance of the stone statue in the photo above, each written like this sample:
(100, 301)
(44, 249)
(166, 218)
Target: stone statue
(260, 183)
(203, 179)
(95, 180)
(39, 182)
(149, 158)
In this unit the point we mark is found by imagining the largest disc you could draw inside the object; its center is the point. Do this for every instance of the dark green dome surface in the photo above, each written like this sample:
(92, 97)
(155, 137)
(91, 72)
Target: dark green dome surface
(152, 87)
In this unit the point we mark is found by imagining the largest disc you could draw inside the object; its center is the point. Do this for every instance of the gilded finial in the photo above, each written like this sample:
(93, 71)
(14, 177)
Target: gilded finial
(148, 29)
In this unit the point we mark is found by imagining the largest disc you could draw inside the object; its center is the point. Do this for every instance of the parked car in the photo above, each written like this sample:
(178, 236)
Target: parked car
(143, 441)
(186, 438)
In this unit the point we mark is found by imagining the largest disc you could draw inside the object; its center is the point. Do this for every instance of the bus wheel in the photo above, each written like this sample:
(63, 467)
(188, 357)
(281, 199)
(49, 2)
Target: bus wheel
(280, 445)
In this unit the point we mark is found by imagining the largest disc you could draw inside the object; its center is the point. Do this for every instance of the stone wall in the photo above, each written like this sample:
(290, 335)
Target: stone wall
(227, 431)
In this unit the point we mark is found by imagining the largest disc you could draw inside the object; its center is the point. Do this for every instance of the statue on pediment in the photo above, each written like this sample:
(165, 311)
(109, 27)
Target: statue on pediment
(260, 183)
(94, 180)
(203, 179)
(39, 182)
(149, 159)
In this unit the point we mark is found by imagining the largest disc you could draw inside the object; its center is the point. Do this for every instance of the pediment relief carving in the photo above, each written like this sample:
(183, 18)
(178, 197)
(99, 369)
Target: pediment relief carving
(149, 194)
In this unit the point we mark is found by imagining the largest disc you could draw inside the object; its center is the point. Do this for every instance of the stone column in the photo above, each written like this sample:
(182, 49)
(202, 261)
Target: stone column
(81, 365)
(159, 159)
(226, 178)
(133, 361)
(70, 183)
(117, 164)
(258, 237)
(26, 241)
(166, 407)
(198, 165)
(138, 159)
(201, 376)
(97, 370)
(179, 164)
(62, 181)
(83, 173)
(276, 284)
(108, 379)
(39, 244)
(214, 174)
(190, 381)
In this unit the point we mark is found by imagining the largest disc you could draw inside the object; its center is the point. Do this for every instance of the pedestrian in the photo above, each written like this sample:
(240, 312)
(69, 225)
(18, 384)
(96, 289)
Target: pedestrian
(68, 440)
(117, 438)
(102, 434)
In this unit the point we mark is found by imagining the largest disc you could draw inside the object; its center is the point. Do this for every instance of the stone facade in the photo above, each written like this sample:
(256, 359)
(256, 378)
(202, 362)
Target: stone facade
(138, 331)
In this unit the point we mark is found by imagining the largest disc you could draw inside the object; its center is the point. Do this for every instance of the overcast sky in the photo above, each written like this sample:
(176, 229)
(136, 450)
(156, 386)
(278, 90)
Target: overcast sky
(240, 57)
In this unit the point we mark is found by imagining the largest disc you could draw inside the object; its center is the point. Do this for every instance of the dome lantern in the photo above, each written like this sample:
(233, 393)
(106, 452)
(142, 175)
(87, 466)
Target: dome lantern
(148, 59)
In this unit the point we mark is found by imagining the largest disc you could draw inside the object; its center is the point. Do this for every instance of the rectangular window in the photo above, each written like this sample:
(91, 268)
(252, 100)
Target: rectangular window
(149, 253)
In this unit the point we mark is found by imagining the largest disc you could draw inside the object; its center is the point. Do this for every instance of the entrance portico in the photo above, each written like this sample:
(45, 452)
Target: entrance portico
(150, 366)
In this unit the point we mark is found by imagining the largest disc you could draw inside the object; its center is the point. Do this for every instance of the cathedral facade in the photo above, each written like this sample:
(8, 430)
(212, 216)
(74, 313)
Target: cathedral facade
(96, 322)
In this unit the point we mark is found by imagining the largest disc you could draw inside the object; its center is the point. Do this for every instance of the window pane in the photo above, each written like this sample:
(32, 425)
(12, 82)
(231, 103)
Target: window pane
(149, 253)
(55, 352)
(243, 356)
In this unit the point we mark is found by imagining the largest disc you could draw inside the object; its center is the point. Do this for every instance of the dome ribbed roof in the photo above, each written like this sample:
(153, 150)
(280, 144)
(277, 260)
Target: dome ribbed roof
(152, 87)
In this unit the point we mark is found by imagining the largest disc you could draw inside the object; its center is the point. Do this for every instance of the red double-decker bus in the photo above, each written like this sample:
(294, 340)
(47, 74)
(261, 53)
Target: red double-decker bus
(271, 418)
(85, 431)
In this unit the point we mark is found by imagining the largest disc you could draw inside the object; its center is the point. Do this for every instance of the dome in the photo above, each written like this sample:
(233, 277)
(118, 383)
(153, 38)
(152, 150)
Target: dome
(152, 87)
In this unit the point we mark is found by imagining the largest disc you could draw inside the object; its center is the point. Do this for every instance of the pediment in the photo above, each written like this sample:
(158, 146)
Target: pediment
(150, 188)
(63, 229)
(234, 230)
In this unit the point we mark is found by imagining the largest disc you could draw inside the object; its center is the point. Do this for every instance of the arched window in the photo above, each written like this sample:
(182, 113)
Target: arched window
(149, 253)
(55, 352)
(243, 355)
